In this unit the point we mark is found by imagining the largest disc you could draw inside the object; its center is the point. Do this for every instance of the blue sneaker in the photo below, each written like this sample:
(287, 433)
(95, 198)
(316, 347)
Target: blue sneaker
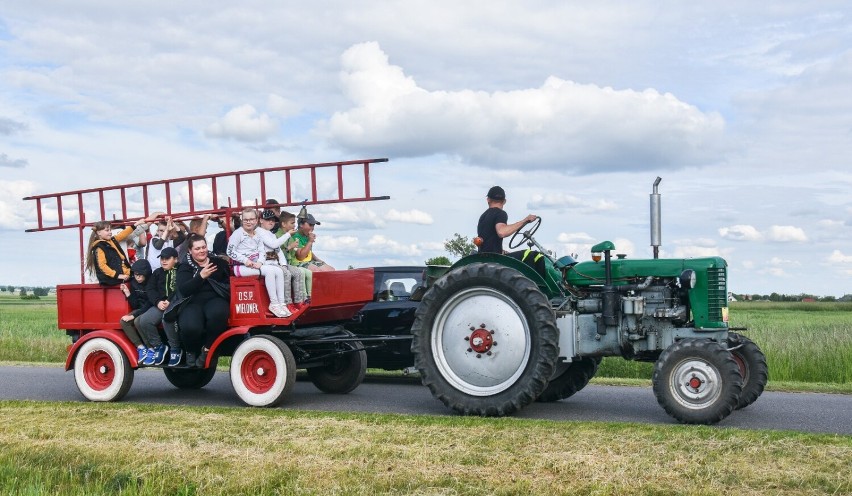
(143, 352)
(160, 354)
(149, 357)
(175, 356)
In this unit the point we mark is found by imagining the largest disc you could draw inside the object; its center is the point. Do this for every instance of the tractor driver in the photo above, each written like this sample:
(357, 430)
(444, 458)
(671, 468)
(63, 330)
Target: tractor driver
(493, 227)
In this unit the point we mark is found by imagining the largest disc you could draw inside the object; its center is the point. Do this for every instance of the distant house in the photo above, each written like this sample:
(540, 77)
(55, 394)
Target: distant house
(731, 296)
(808, 300)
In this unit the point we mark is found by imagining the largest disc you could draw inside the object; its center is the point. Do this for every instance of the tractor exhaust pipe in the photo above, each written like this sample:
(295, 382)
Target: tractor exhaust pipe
(656, 230)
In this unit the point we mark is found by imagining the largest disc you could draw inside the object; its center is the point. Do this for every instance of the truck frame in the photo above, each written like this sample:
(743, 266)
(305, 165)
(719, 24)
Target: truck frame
(265, 351)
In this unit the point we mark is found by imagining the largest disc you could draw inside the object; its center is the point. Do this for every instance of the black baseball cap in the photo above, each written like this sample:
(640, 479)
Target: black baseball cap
(496, 193)
(271, 201)
(168, 252)
(309, 219)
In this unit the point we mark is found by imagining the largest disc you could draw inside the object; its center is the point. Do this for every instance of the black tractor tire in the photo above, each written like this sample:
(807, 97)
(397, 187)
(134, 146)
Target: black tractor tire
(575, 377)
(697, 381)
(454, 327)
(185, 378)
(344, 372)
(753, 368)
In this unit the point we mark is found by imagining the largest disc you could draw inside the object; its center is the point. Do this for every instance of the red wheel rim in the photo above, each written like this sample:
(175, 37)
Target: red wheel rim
(258, 372)
(99, 370)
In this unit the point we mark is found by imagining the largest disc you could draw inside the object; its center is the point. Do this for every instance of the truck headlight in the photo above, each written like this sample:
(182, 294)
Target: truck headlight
(687, 279)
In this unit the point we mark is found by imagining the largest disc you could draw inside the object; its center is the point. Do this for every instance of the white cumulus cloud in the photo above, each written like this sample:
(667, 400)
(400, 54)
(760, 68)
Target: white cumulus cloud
(386, 246)
(15, 212)
(413, 216)
(243, 123)
(560, 125)
(838, 257)
(740, 233)
(784, 234)
(562, 200)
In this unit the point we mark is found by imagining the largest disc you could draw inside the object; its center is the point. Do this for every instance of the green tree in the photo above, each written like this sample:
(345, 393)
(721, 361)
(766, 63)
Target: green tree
(23, 292)
(10, 289)
(440, 260)
(459, 246)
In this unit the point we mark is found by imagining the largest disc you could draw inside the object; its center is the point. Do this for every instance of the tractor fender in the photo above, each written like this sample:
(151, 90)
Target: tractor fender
(117, 337)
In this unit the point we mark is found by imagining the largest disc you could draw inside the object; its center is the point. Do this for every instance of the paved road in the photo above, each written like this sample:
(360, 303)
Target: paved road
(807, 412)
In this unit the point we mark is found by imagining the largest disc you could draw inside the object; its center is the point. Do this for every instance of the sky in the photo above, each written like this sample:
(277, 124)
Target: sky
(744, 109)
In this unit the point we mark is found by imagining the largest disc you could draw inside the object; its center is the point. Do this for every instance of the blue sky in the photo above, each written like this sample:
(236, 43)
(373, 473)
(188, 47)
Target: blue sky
(742, 108)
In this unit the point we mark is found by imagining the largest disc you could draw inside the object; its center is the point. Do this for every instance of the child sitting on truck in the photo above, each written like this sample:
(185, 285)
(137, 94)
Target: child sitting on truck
(106, 259)
(139, 304)
(161, 289)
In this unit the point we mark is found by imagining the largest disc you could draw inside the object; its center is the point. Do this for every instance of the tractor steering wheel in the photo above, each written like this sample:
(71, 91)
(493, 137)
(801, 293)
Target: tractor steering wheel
(521, 236)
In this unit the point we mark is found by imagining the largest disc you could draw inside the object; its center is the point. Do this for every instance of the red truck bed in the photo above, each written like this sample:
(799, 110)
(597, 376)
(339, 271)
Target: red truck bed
(336, 296)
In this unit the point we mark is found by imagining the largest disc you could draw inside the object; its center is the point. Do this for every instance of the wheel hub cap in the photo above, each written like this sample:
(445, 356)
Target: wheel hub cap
(481, 340)
(695, 383)
(465, 348)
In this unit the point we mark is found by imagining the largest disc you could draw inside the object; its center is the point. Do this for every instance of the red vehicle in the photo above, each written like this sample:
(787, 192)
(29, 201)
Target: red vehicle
(265, 351)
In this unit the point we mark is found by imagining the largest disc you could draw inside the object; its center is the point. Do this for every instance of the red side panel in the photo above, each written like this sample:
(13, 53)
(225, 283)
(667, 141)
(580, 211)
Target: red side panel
(338, 295)
(90, 306)
(249, 302)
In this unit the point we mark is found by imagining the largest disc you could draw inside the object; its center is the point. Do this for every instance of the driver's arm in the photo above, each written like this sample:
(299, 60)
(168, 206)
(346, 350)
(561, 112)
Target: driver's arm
(506, 230)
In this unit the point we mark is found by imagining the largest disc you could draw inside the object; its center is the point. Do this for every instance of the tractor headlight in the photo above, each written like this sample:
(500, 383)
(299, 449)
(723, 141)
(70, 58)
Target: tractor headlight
(687, 279)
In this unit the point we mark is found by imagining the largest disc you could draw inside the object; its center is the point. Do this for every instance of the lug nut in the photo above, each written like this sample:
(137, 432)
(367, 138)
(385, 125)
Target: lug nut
(488, 353)
(469, 350)
(492, 332)
(494, 343)
(478, 355)
(467, 338)
(482, 326)
(472, 328)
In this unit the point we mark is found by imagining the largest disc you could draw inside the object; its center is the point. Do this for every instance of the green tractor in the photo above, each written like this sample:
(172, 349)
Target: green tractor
(492, 334)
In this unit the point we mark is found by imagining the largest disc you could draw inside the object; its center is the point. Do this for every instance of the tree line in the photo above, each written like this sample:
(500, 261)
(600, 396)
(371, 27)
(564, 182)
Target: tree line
(27, 293)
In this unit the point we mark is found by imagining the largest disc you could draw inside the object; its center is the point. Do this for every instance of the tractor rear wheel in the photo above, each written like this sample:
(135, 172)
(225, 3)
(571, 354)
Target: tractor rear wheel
(575, 376)
(752, 364)
(343, 373)
(697, 381)
(263, 371)
(485, 340)
(190, 378)
(102, 371)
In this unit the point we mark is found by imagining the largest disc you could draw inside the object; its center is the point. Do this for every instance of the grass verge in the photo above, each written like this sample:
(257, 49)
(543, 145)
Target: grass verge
(74, 448)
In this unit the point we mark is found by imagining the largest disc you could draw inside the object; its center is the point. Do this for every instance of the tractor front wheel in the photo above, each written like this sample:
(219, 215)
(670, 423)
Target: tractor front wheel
(102, 371)
(575, 376)
(752, 364)
(263, 371)
(697, 381)
(485, 340)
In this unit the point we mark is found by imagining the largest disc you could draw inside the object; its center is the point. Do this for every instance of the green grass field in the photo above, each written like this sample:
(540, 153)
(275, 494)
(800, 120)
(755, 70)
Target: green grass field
(88, 448)
(803, 342)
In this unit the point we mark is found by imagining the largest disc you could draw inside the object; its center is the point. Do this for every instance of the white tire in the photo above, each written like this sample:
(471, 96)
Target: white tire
(102, 371)
(263, 371)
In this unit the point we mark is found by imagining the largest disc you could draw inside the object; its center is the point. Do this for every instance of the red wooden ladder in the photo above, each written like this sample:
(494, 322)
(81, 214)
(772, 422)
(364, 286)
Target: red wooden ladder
(134, 202)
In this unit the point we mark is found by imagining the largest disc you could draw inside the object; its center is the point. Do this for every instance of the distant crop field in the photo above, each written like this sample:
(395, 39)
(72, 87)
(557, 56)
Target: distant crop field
(28, 331)
(803, 342)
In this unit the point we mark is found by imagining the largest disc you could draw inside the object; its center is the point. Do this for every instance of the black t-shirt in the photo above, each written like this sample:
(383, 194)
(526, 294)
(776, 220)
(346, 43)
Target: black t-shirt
(487, 230)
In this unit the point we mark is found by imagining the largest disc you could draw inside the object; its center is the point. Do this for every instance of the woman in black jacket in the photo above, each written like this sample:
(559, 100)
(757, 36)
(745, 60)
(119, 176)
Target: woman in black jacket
(204, 316)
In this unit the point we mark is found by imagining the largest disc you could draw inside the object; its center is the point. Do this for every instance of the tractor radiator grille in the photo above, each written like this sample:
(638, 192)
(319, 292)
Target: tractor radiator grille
(717, 292)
